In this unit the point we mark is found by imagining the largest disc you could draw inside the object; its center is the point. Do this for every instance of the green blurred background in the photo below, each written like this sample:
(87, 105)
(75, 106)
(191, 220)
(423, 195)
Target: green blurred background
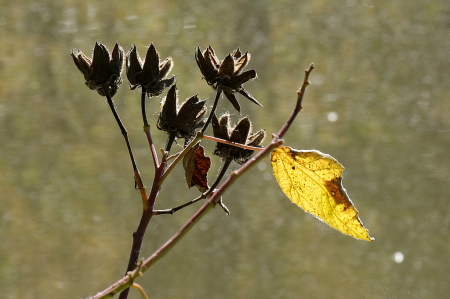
(379, 103)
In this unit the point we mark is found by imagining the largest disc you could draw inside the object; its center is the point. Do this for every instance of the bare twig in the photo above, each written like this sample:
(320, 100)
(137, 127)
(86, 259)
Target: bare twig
(137, 175)
(205, 126)
(226, 164)
(147, 214)
(144, 114)
(298, 106)
(169, 143)
(140, 289)
(152, 146)
(147, 129)
(173, 210)
(253, 148)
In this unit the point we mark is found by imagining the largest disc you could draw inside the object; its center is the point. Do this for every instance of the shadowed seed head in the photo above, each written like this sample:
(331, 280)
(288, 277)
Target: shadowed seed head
(181, 121)
(226, 75)
(150, 74)
(241, 133)
(103, 68)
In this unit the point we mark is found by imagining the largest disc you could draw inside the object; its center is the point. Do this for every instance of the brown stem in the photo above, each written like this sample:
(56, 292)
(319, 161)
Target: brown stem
(205, 126)
(169, 143)
(173, 210)
(138, 237)
(147, 212)
(144, 115)
(119, 122)
(152, 146)
(253, 148)
(298, 106)
(147, 129)
(141, 290)
(219, 177)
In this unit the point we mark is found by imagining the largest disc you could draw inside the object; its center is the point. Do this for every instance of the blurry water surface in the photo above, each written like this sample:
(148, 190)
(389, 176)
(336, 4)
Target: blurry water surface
(379, 103)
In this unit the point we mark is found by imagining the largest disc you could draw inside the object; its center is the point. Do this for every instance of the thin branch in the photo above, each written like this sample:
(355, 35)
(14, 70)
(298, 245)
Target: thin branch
(298, 106)
(141, 290)
(152, 146)
(147, 129)
(173, 210)
(172, 157)
(137, 175)
(144, 114)
(226, 164)
(253, 148)
(138, 237)
(205, 126)
(147, 214)
(119, 122)
(170, 140)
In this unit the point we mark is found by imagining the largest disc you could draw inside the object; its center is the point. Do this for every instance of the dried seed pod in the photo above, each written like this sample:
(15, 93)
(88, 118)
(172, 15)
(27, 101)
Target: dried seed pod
(150, 74)
(241, 133)
(227, 74)
(182, 121)
(103, 68)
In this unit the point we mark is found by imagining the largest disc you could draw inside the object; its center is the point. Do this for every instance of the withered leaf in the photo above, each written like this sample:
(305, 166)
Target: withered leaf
(196, 166)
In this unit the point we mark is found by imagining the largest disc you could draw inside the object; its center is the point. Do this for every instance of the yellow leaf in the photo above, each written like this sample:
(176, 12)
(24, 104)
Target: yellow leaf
(312, 180)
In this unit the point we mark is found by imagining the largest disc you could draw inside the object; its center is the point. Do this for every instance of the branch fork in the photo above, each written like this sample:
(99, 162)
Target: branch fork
(102, 73)
(213, 196)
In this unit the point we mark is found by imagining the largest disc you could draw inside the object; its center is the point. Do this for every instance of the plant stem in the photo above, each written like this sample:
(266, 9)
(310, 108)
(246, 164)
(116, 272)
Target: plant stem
(138, 237)
(147, 129)
(205, 126)
(119, 122)
(147, 214)
(144, 115)
(298, 106)
(253, 148)
(169, 143)
(173, 210)
(140, 289)
(147, 210)
(226, 164)
(152, 146)
(137, 175)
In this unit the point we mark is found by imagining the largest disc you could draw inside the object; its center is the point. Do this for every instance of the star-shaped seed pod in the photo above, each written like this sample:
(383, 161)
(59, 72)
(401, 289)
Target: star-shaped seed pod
(183, 121)
(103, 68)
(227, 75)
(241, 133)
(151, 74)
